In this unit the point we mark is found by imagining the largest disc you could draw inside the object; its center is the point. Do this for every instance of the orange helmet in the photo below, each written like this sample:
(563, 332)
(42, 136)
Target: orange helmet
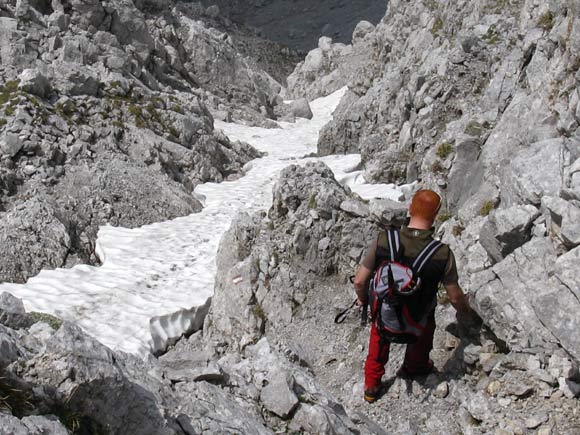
(425, 205)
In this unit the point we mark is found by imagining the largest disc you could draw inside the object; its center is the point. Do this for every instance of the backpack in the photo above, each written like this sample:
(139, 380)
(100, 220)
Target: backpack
(395, 287)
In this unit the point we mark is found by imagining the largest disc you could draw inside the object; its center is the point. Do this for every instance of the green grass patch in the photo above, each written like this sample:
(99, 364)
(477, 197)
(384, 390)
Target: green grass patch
(492, 35)
(444, 150)
(437, 27)
(53, 321)
(173, 132)
(312, 202)
(66, 109)
(259, 312)
(3, 122)
(486, 208)
(431, 4)
(177, 108)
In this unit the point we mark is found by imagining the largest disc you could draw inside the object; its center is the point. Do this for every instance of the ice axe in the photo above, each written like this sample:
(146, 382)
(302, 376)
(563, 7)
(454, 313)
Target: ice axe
(341, 317)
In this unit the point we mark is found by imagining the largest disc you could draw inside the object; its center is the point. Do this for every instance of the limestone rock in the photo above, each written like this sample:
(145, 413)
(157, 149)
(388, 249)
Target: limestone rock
(564, 220)
(34, 82)
(33, 221)
(32, 425)
(506, 230)
(478, 406)
(12, 313)
(388, 212)
(301, 109)
(278, 396)
(362, 29)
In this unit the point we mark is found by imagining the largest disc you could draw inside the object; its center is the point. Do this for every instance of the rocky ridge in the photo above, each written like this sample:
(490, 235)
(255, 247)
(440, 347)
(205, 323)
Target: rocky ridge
(115, 101)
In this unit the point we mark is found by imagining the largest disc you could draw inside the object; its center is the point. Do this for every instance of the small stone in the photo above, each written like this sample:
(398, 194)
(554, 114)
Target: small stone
(442, 390)
(493, 388)
(478, 407)
(29, 170)
(278, 396)
(356, 208)
(471, 354)
(544, 376)
(536, 420)
(519, 390)
(324, 244)
(504, 402)
(11, 144)
(451, 342)
(301, 109)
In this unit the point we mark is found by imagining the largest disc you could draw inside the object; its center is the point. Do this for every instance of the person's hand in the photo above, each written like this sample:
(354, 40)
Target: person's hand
(360, 302)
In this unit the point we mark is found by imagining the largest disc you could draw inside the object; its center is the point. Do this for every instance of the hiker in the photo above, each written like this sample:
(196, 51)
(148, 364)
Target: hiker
(412, 318)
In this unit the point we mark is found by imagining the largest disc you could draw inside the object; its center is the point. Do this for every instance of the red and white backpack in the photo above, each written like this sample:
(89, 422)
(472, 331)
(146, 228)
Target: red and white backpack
(395, 286)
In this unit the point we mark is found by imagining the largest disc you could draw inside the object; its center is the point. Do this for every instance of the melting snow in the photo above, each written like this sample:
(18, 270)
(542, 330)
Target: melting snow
(156, 281)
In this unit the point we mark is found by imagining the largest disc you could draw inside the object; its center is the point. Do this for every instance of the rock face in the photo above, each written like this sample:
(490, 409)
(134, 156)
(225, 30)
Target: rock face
(300, 23)
(478, 101)
(117, 98)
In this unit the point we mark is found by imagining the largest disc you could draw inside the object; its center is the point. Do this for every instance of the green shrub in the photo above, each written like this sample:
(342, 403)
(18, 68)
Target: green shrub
(135, 110)
(174, 132)
(437, 167)
(3, 122)
(546, 21)
(444, 216)
(437, 26)
(444, 150)
(474, 128)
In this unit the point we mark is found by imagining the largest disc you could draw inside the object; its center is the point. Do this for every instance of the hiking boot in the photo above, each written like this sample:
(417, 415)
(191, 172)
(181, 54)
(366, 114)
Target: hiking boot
(372, 394)
(405, 373)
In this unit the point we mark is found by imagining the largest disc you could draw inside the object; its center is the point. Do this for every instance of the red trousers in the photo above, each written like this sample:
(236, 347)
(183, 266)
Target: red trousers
(416, 355)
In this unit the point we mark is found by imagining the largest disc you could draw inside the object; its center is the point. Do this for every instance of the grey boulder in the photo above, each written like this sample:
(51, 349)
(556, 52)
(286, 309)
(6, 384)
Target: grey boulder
(507, 229)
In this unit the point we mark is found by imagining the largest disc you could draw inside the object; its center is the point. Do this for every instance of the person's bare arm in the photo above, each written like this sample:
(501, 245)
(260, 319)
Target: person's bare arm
(361, 279)
(457, 298)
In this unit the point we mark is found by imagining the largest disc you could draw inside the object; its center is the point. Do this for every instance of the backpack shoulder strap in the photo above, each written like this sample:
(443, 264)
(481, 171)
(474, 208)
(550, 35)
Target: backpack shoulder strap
(389, 245)
(425, 255)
